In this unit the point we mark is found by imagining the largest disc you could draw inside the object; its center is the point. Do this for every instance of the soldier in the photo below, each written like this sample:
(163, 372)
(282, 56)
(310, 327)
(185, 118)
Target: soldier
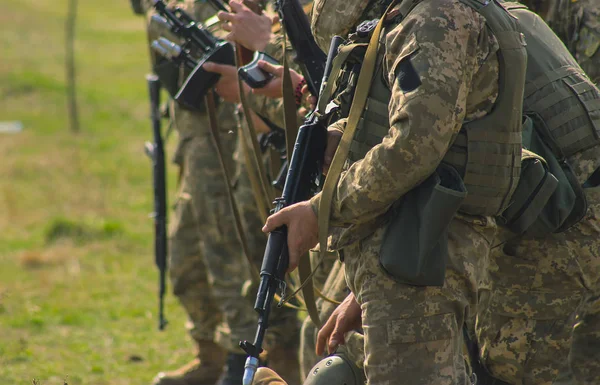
(577, 23)
(525, 326)
(207, 267)
(254, 32)
(437, 69)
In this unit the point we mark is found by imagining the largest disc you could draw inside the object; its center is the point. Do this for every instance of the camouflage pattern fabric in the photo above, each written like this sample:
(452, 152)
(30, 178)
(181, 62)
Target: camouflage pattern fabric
(225, 267)
(577, 23)
(414, 334)
(207, 267)
(526, 324)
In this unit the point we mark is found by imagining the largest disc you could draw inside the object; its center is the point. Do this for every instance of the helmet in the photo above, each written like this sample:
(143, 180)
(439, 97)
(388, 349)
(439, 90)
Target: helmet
(335, 370)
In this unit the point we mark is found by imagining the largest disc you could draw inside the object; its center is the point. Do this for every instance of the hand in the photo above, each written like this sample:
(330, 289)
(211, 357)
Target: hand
(302, 226)
(344, 318)
(245, 27)
(273, 88)
(308, 98)
(334, 135)
(227, 86)
(259, 125)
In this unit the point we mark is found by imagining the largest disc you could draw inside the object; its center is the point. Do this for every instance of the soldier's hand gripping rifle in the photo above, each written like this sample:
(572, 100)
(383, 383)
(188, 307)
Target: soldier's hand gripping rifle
(196, 41)
(156, 153)
(302, 182)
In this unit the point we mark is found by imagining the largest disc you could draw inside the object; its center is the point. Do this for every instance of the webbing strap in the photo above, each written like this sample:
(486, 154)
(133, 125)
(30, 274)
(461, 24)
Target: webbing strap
(336, 68)
(216, 139)
(547, 78)
(259, 198)
(356, 110)
(250, 135)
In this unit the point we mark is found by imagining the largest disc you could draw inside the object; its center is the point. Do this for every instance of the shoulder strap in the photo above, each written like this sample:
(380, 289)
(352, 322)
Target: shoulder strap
(356, 110)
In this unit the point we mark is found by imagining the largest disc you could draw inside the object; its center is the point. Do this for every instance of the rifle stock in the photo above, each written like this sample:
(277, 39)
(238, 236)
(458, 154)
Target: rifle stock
(309, 56)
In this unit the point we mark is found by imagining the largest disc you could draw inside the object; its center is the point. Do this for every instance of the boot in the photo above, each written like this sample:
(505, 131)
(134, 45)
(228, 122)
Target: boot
(234, 370)
(204, 370)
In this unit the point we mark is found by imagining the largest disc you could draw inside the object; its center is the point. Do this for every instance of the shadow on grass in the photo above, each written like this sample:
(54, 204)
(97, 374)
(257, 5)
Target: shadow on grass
(81, 232)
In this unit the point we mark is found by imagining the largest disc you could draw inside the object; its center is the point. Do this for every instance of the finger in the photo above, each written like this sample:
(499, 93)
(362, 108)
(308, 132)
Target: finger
(230, 37)
(227, 27)
(304, 89)
(268, 67)
(324, 334)
(226, 16)
(222, 69)
(337, 336)
(294, 246)
(274, 221)
(235, 6)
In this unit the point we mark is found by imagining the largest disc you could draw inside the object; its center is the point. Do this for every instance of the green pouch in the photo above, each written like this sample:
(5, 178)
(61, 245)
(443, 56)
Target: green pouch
(567, 205)
(536, 186)
(415, 246)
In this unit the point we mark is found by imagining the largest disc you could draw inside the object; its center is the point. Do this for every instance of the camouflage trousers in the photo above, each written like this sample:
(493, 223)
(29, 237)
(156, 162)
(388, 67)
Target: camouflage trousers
(525, 325)
(413, 334)
(207, 266)
(334, 288)
(281, 340)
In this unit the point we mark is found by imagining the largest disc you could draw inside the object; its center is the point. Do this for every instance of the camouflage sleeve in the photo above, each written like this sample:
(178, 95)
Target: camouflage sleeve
(430, 61)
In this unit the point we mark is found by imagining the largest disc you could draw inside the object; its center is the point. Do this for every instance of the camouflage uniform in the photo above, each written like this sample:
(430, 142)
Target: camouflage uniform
(577, 23)
(525, 326)
(207, 267)
(414, 334)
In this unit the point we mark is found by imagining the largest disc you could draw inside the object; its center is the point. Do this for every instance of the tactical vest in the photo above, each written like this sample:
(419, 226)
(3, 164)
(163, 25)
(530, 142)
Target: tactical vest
(487, 151)
(557, 90)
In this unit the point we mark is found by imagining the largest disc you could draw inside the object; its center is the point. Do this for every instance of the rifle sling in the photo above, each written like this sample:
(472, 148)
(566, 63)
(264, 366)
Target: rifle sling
(356, 110)
(215, 136)
(259, 198)
(250, 135)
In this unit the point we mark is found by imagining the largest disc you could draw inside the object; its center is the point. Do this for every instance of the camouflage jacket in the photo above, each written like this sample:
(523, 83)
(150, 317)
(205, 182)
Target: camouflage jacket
(450, 57)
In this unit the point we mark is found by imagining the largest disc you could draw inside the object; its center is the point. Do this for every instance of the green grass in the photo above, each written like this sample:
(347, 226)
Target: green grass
(77, 280)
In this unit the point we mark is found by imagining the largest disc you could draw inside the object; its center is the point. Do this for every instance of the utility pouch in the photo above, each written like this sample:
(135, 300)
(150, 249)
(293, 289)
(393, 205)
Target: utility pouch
(536, 186)
(567, 205)
(415, 246)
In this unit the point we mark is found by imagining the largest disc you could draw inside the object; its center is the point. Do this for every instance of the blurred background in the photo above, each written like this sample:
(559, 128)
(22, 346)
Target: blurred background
(77, 277)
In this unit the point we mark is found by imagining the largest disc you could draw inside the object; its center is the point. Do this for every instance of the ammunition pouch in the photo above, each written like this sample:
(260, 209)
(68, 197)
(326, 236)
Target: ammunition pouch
(548, 198)
(415, 246)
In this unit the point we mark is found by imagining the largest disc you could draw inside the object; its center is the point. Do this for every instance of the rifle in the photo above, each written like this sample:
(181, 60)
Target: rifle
(196, 39)
(302, 182)
(309, 56)
(156, 153)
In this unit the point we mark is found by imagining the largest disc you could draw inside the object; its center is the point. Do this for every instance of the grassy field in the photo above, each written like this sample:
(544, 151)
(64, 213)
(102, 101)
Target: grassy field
(77, 280)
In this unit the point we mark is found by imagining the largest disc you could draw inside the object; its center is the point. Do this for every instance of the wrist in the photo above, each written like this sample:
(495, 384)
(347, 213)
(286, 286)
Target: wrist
(298, 92)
